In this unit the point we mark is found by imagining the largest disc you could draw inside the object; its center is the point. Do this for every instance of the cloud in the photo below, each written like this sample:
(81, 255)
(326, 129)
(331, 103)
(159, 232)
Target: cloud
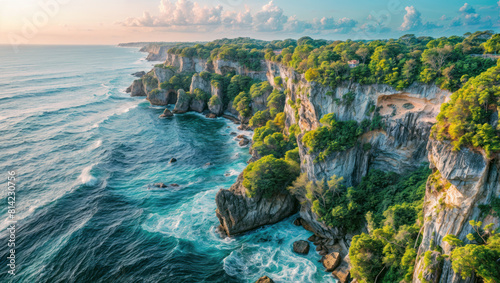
(467, 9)
(469, 17)
(412, 21)
(270, 18)
(184, 15)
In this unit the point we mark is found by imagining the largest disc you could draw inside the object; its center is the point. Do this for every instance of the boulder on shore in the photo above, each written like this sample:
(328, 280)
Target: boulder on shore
(301, 247)
(264, 279)
(244, 142)
(331, 261)
(342, 272)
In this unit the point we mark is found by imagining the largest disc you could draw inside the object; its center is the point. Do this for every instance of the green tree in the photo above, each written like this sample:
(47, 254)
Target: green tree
(268, 176)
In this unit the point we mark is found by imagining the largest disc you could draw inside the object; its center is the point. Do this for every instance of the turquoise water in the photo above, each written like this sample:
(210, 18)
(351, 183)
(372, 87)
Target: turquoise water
(86, 155)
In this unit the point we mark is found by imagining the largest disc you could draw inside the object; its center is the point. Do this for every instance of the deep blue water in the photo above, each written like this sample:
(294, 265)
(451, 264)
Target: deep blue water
(86, 155)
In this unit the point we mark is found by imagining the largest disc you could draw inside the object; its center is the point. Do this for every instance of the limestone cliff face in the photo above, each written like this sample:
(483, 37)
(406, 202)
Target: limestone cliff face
(467, 179)
(216, 105)
(185, 64)
(238, 213)
(182, 104)
(162, 74)
(199, 82)
(400, 146)
(156, 52)
(137, 88)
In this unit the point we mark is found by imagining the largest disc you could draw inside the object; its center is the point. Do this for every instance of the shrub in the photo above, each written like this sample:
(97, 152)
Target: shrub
(258, 89)
(214, 100)
(200, 95)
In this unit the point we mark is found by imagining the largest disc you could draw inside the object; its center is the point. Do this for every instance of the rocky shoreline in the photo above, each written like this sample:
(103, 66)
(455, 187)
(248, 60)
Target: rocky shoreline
(401, 146)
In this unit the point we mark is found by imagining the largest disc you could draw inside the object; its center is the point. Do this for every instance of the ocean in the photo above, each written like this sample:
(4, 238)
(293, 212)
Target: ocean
(86, 156)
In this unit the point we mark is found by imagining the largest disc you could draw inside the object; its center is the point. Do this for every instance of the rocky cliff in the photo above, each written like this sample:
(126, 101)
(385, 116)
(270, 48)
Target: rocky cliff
(238, 213)
(157, 52)
(401, 145)
(462, 181)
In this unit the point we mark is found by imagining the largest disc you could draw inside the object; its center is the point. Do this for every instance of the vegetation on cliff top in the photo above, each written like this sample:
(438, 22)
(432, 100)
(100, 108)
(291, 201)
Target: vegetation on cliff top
(469, 118)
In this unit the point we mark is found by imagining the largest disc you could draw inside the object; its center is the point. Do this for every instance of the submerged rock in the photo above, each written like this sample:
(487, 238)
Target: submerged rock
(174, 185)
(160, 185)
(301, 247)
(173, 160)
(244, 142)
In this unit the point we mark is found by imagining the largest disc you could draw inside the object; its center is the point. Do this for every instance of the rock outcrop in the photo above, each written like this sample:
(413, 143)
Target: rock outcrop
(331, 261)
(216, 103)
(183, 101)
(197, 105)
(162, 97)
(156, 52)
(200, 83)
(167, 113)
(137, 88)
(239, 213)
(163, 74)
(465, 180)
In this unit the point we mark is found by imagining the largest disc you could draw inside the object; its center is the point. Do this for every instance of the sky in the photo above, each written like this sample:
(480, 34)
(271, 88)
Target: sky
(116, 21)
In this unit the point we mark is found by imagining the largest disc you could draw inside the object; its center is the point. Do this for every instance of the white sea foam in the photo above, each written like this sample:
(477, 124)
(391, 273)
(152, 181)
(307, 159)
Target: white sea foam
(96, 144)
(86, 178)
(232, 172)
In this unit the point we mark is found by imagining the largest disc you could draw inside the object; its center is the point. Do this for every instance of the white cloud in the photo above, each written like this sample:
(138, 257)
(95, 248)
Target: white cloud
(412, 21)
(187, 15)
(468, 17)
(466, 8)
(270, 18)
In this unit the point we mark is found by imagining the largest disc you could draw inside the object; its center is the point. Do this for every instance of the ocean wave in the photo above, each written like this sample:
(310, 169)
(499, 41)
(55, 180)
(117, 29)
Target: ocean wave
(86, 178)
(96, 144)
